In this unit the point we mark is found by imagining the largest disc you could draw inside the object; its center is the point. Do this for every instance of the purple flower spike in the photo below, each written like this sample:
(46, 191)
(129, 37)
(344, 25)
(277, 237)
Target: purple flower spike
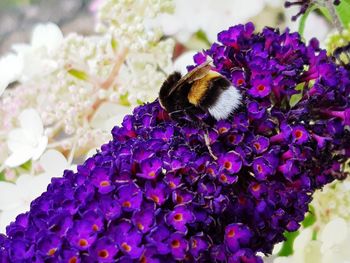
(154, 193)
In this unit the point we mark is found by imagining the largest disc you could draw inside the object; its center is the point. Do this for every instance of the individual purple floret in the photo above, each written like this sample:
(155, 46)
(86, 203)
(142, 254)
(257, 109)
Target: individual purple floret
(155, 194)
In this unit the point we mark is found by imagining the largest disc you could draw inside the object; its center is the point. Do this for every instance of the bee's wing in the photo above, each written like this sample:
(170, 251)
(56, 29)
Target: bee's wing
(197, 73)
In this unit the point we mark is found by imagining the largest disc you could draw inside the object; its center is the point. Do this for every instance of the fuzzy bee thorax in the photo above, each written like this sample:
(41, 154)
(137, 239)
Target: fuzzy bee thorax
(200, 87)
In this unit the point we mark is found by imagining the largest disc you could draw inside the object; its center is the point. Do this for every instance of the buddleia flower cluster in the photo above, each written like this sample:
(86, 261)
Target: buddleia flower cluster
(155, 194)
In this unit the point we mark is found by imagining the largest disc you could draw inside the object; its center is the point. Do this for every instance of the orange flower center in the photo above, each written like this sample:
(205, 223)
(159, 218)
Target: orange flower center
(105, 183)
(103, 253)
(179, 199)
(231, 233)
(126, 204)
(178, 217)
(261, 87)
(260, 169)
(256, 187)
(228, 165)
(223, 178)
(298, 134)
(51, 251)
(155, 198)
(83, 242)
(73, 260)
(175, 243)
(126, 247)
(257, 146)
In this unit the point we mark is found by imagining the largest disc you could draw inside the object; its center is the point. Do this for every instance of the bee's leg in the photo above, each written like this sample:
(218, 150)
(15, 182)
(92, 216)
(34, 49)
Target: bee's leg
(202, 125)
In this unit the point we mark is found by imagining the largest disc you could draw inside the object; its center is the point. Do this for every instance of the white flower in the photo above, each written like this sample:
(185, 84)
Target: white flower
(108, 115)
(10, 68)
(185, 59)
(28, 141)
(16, 198)
(210, 16)
(35, 57)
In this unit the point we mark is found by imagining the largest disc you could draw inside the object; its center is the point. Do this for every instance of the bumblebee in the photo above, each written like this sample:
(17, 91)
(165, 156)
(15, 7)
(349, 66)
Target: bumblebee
(200, 90)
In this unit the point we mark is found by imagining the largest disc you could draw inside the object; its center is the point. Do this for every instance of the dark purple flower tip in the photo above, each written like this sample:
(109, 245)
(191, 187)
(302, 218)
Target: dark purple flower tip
(237, 236)
(178, 245)
(300, 135)
(179, 217)
(231, 162)
(104, 250)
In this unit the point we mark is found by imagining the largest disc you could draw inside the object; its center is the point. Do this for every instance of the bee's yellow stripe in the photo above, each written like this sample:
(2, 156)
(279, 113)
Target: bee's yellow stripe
(200, 87)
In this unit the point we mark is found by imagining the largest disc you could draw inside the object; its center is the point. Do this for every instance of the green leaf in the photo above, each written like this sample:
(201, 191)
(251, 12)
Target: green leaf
(78, 74)
(310, 217)
(27, 166)
(303, 19)
(114, 44)
(2, 176)
(343, 12)
(123, 99)
(295, 98)
(201, 35)
(287, 247)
